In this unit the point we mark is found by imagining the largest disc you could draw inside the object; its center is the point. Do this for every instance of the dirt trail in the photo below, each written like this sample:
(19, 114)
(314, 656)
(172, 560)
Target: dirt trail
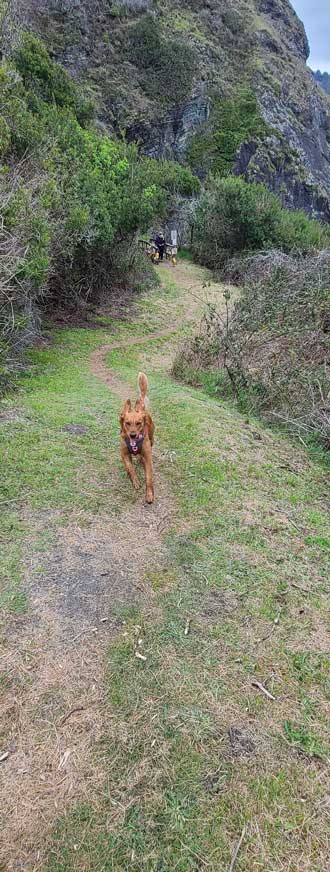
(53, 659)
(102, 371)
(190, 279)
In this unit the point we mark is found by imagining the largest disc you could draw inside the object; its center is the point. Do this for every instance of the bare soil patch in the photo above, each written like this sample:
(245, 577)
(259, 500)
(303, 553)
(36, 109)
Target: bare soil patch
(94, 572)
(218, 603)
(75, 429)
(53, 663)
(50, 753)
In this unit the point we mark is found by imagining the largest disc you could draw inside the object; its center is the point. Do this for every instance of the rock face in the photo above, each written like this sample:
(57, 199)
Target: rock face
(261, 43)
(295, 160)
(169, 137)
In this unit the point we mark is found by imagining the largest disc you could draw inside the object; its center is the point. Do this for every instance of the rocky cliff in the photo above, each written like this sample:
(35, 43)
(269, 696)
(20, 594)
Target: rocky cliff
(164, 74)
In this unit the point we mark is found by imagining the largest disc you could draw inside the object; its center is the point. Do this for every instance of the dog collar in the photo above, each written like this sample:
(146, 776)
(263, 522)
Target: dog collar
(134, 445)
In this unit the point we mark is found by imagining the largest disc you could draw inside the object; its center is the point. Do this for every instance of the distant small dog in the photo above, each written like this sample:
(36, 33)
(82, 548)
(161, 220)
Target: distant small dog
(136, 438)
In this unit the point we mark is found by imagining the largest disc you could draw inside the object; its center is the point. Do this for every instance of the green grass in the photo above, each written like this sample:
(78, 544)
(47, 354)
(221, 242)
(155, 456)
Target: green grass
(45, 467)
(185, 255)
(192, 751)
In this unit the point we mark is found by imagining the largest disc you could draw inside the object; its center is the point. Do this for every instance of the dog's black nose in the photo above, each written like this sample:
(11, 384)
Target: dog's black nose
(133, 435)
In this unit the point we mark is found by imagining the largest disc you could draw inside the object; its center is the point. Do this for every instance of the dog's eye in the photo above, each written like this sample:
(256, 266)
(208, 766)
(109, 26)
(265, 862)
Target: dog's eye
(139, 423)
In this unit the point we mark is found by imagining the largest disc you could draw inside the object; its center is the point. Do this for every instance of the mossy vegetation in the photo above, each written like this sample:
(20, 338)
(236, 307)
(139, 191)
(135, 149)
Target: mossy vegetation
(232, 121)
(167, 65)
(185, 22)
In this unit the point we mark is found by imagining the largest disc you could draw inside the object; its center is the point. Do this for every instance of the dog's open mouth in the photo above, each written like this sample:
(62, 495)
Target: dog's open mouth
(135, 444)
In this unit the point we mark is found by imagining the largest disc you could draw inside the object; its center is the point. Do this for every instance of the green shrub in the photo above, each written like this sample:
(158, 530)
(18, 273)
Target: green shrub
(172, 177)
(167, 65)
(42, 75)
(20, 128)
(298, 231)
(47, 80)
(235, 216)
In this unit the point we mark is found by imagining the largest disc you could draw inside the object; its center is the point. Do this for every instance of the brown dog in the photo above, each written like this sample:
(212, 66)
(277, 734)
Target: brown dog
(136, 438)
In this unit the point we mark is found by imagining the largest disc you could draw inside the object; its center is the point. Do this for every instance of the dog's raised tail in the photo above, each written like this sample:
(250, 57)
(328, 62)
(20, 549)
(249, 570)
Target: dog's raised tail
(143, 386)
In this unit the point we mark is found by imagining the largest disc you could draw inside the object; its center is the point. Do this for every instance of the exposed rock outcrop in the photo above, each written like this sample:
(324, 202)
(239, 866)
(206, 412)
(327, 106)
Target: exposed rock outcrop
(168, 137)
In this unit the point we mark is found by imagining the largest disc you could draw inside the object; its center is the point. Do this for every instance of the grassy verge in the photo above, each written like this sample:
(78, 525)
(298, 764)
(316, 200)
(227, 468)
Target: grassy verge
(47, 467)
(196, 752)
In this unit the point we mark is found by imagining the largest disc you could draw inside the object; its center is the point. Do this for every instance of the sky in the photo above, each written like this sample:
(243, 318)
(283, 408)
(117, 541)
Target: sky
(316, 17)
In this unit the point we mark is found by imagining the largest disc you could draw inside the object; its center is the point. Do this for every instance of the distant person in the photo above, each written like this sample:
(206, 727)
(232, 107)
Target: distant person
(160, 242)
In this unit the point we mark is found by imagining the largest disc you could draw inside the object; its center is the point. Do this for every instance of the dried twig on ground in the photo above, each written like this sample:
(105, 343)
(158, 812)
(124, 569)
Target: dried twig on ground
(237, 850)
(78, 708)
(263, 689)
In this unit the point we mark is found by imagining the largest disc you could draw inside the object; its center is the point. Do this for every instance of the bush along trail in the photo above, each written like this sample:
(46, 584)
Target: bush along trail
(210, 749)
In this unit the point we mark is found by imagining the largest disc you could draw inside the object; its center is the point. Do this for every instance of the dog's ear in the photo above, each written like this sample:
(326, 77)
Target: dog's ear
(126, 408)
(139, 405)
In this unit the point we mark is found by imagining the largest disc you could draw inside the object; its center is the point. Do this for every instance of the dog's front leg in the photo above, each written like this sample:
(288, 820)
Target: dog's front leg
(147, 461)
(130, 470)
